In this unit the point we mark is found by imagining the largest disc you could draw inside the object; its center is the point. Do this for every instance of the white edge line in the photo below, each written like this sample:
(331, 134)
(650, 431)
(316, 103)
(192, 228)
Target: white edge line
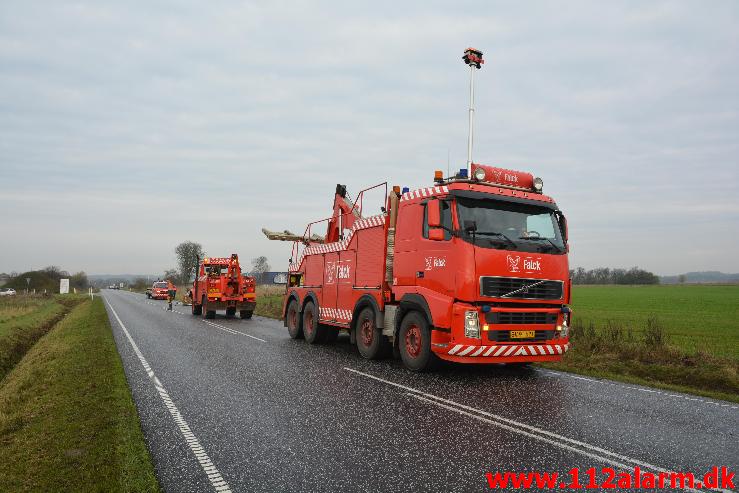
(194, 444)
(533, 432)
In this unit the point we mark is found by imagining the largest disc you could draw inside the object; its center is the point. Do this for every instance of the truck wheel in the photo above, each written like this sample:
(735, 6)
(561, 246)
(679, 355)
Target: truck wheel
(207, 313)
(312, 330)
(370, 341)
(246, 314)
(414, 343)
(196, 309)
(293, 321)
(230, 312)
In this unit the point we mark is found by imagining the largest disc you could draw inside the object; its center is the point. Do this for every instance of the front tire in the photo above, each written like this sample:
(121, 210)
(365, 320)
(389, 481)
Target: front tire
(370, 341)
(414, 343)
(293, 321)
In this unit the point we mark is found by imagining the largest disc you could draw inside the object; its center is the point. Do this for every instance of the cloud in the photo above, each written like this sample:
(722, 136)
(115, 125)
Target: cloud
(127, 128)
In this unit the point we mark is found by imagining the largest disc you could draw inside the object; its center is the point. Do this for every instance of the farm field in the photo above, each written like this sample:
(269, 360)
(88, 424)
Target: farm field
(694, 317)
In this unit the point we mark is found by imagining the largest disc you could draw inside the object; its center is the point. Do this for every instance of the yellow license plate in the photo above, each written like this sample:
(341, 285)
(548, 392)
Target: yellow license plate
(523, 334)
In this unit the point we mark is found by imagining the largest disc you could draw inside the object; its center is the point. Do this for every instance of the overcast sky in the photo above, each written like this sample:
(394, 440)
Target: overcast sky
(128, 127)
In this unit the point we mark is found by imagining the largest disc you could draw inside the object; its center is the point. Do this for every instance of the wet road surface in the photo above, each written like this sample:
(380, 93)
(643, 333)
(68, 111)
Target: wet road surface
(236, 405)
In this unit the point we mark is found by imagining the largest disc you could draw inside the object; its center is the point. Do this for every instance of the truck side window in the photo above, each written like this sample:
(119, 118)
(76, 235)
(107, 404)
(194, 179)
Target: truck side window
(446, 220)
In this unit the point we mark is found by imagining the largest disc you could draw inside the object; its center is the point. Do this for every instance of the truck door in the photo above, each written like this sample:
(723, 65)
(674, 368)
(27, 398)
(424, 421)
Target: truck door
(435, 263)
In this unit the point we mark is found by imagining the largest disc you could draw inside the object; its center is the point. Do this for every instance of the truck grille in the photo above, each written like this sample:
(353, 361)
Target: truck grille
(505, 336)
(521, 318)
(517, 288)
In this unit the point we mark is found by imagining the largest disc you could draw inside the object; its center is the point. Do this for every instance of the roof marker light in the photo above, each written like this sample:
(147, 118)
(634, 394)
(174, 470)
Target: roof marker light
(538, 184)
(479, 174)
(406, 189)
(463, 173)
(438, 176)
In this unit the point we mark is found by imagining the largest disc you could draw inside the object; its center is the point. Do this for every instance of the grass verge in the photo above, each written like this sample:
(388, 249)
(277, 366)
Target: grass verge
(24, 319)
(269, 301)
(645, 355)
(67, 419)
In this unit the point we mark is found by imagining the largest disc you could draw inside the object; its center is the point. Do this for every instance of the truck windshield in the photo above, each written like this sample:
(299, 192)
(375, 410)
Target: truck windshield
(510, 226)
(160, 285)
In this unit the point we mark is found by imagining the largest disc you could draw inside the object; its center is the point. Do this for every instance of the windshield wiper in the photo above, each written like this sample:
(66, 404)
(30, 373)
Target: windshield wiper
(541, 238)
(493, 233)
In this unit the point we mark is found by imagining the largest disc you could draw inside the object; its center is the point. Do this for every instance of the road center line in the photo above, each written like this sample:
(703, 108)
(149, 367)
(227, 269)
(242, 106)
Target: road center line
(560, 441)
(232, 331)
(215, 478)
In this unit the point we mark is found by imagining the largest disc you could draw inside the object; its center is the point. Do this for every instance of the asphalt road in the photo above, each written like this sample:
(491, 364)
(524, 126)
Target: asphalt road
(237, 405)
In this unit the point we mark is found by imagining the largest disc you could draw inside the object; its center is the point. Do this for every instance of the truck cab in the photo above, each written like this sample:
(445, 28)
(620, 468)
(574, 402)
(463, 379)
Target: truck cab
(487, 260)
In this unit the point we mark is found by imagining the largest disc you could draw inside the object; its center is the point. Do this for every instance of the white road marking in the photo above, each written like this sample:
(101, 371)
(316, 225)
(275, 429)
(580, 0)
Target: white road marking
(232, 331)
(555, 439)
(215, 478)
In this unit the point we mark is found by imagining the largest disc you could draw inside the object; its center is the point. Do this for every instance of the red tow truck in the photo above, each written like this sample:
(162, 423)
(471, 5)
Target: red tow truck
(219, 285)
(471, 269)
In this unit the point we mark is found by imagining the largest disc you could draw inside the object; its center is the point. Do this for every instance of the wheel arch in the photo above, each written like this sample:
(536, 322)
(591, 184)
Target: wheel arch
(411, 302)
(364, 301)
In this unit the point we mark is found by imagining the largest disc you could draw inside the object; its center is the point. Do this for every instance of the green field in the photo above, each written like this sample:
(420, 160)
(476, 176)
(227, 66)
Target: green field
(695, 317)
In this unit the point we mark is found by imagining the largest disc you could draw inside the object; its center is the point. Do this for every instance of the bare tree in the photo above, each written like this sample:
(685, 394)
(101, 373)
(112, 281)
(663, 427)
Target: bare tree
(171, 275)
(188, 253)
(259, 267)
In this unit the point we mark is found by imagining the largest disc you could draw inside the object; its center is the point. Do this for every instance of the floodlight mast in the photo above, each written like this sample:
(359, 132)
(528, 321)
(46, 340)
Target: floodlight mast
(473, 58)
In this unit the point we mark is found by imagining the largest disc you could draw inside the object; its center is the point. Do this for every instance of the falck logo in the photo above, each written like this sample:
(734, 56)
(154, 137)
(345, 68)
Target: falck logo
(530, 264)
(513, 263)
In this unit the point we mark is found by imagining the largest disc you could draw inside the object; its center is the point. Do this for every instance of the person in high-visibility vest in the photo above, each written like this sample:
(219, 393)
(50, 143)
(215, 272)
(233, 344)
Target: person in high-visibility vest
(171, 293)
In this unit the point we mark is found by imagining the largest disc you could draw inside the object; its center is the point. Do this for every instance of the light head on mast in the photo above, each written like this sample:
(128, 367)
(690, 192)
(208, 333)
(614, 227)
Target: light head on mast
(473, 57)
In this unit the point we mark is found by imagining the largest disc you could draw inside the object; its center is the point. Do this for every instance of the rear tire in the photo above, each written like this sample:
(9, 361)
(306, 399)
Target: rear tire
(245, 314)
(197, 309)
(312, 330)
(293, 321)
(414, 343)
(210, 314)
(370, 341)
(230, 312)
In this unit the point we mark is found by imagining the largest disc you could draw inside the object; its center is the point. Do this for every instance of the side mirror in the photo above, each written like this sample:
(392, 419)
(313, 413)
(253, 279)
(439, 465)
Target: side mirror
(434, 213)
(563, 226)
(433, 210)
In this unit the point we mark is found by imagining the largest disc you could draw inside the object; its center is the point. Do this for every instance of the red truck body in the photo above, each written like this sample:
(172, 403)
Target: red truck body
(219, 285)
(470, 270)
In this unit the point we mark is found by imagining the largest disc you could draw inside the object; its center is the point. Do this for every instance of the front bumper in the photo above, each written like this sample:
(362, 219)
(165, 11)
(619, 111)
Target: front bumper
(503, 353)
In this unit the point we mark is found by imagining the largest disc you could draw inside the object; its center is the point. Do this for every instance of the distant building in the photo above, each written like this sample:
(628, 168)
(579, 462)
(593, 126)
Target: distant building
(270, 278)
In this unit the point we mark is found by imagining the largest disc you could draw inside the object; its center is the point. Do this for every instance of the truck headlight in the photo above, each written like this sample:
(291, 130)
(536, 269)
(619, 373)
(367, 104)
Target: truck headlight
(471, 324)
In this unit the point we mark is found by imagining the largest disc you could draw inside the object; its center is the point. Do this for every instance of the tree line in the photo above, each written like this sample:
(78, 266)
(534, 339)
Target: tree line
(46, 278)
(189, 253)
(606, 275)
